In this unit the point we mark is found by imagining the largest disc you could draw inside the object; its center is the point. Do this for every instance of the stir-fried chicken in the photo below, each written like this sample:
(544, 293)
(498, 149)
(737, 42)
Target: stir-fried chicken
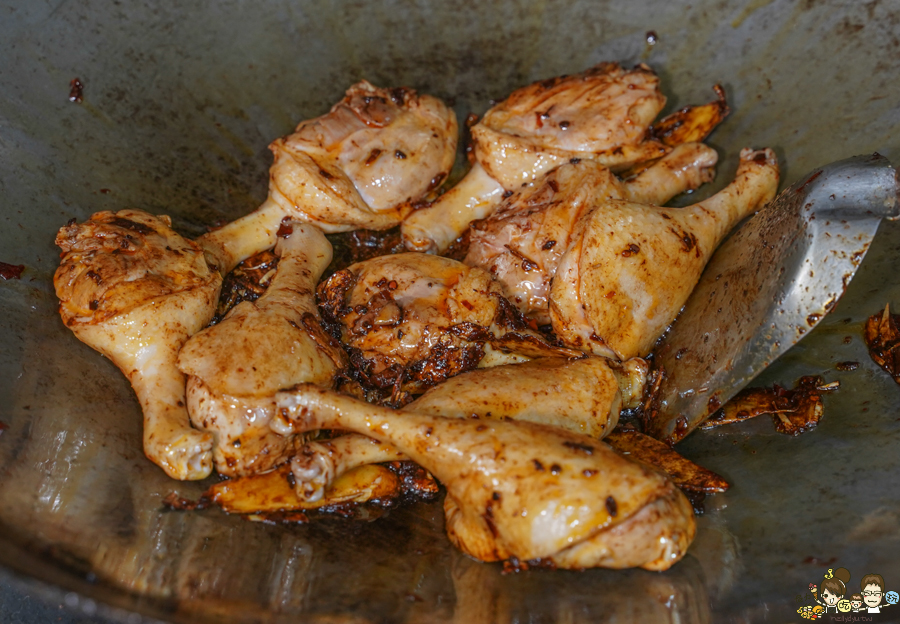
(522, 490)
(235, 368)
(411, 320)
(319, 464)
(134, 290)
(362, 165)
(631, 267)
(601, 114)
(522, 243)
(584, 396)
(515, 440)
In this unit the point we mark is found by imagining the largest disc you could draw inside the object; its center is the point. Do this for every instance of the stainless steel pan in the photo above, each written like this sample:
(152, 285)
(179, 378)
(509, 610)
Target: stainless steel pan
(180, 101)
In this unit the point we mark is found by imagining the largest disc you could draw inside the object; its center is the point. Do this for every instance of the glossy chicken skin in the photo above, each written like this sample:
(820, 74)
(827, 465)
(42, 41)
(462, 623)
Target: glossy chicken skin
(630, 267)
(134, 290)
(522, 243)
(601, 114)
(523, 490)
(318, 464)
(235, 368)
(583, 395)
(411, 320)
(362, 165)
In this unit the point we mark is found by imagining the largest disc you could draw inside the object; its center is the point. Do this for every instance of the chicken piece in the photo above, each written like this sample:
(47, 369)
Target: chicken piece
(272, 492)
(433, 228)
(362, 165)
(793, 411)
(882, 337)
(584, 396)
(411, 320)
(235, 368)
(631, 267)
(692, 123)
(247, 282)
(684, 473)
(319, 464)
(522, 242)
(601, 114)
(522, 490)
(134, 290)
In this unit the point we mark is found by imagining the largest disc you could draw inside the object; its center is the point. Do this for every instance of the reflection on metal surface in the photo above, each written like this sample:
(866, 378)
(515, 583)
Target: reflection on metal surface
(768, 285)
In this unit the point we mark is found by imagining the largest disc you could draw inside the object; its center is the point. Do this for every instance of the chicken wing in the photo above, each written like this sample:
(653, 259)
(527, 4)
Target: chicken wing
(235, 368)
(522, 243)
(601, 114)
(134, 290)
(522, 490)
(362, 165)
(630, 267)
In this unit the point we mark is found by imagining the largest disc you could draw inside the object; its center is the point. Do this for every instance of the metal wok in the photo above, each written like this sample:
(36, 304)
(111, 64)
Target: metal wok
(179, 103)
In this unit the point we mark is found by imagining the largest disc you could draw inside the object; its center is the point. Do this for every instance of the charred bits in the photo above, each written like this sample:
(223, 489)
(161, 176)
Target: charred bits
(134, 226)
(175, 502)
(489, 516)
(285, 229)
(527, 263)
(11, 271)
(631, 250)
(76, 91)
(611, 506)
(882, 336)
(373, 156)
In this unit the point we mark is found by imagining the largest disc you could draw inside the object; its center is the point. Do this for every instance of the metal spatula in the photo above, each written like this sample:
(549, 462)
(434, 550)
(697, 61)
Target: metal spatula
(766, 287)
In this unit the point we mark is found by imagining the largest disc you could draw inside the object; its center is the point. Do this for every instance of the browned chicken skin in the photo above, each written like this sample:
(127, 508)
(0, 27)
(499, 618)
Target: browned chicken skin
(522, 490)
(411, 320)
(388, 147)
(522, 243)
(133, 289)
(630, 267)
(601, 114)
(583, 395)
(361, 165)
(235, 368)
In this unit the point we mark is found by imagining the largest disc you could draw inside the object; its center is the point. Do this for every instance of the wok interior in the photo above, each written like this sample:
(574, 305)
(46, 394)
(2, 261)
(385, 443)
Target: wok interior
(179, 105)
